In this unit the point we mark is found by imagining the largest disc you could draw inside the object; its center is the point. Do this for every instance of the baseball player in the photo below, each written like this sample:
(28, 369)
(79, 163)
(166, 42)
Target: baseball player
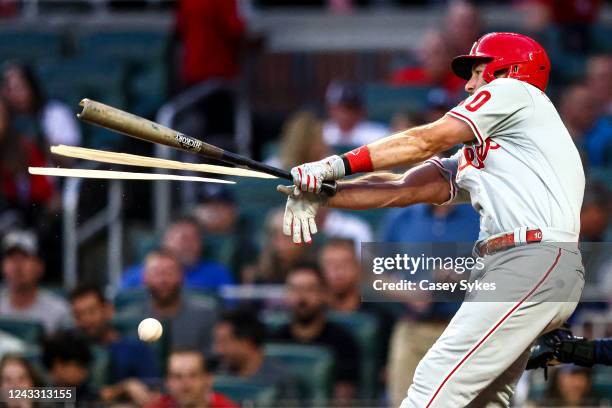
(521, 171)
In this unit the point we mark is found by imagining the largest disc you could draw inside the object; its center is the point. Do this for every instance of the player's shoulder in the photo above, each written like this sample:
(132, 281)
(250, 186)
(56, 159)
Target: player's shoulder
(510, 90)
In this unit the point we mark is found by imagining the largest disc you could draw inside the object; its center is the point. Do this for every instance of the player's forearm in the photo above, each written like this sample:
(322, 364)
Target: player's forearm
(423, 184)
(407, 148)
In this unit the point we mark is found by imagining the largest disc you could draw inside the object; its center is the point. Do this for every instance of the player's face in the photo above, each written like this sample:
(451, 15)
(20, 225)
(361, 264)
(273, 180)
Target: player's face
(476, 81)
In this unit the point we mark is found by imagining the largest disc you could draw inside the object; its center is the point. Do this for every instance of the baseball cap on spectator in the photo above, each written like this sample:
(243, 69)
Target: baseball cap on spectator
(24, 241)
(215, 193)
(344, 93)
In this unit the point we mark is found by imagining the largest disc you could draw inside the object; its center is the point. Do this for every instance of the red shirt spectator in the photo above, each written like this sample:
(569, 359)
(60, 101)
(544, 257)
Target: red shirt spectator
(216, 400)
(211, 32)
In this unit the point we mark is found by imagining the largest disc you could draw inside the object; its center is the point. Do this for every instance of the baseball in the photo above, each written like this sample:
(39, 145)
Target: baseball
(150, 330)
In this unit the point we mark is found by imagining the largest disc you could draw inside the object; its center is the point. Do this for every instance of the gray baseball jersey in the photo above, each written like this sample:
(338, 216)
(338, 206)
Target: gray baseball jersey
(523, 170)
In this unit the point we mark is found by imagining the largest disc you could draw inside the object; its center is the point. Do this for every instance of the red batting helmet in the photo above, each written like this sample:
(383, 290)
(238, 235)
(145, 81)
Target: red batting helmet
(522, 56)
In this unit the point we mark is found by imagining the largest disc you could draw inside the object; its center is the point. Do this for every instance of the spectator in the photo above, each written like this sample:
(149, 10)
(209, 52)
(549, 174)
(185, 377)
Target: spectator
(128, 359)
(301, 141)
(211, 34)
(189, 383)
(306, 300)
(347, 124)
(184, 239)
(404, 120)
(67, 358)
(423, 321)
(434, 66)
(340, 224)
(594, 213)
(342, 272)
(462, 26)
(228, 236)
(21, 298)
(30, 194)
(278, 255)
(190, 321)
(599, 81)
(239, 343)
(16, 372)
(54, 121)
(570, 386)
(581, 114)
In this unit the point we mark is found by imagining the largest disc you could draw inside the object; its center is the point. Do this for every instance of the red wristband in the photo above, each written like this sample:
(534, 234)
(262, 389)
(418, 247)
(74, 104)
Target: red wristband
(358, 161)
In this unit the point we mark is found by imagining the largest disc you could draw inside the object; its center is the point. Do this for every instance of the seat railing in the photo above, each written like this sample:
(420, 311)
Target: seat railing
(167, 115)
(75, 235)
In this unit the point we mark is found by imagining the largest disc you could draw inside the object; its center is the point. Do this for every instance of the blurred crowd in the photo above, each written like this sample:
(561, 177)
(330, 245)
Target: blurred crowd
(247, 315)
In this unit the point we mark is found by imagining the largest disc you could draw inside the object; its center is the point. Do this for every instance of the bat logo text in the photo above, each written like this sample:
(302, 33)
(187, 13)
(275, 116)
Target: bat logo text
(187, 142)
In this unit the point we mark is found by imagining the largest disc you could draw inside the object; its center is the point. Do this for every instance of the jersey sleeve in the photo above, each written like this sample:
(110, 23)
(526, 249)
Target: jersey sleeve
(494, 108)
(448, 169)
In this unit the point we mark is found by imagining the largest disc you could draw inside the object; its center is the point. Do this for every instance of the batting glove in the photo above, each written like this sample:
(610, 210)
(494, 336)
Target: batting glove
(309, 177)
(300, 212)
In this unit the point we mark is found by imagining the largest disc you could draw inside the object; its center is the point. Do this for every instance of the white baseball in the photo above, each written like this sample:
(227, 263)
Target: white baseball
(150, 330)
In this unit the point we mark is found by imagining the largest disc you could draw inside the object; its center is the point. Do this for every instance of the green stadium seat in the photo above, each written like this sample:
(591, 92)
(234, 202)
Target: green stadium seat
(71, 80)
(28, 331)
(256, 197)
(383, 101)
(143, 52)
(135, 45)
(314, 365)
(29, 46)
(364, 328)
(98, 370)
(602, 381)
(244, 392)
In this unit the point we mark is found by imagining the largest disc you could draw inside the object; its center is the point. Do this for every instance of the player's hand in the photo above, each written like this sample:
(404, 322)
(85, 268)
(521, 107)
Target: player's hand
(300, 212)
(308, 177)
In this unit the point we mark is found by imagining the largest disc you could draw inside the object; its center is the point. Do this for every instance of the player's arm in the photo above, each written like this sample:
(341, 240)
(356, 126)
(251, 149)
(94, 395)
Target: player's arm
(422, 184)
(400, 149)
(431, 182)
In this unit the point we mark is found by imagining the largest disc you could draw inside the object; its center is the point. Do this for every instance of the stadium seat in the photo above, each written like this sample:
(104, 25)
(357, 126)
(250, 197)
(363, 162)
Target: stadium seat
(71, 80)
(28, 331)
(98, 370)
(602, 381)
(244, 392)
(142, 51)
(383, 101)
(312, 364)
(29, 46)
(364, 328)
(256, 197)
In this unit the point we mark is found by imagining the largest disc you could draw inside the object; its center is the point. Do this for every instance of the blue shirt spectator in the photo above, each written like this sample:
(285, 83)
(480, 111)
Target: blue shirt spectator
(428, 223)
(598, 143)
(184, 239)
(424, 223)
(206, 275)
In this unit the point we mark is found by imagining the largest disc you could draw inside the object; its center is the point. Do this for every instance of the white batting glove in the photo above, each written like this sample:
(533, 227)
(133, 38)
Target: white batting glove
(309, 177)
(300, 212)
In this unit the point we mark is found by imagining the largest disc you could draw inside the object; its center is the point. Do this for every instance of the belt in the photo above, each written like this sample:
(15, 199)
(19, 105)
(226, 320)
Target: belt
(506, 241)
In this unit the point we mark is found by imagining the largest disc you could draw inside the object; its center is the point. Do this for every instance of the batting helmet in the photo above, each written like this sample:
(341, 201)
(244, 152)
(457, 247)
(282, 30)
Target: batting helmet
(522, 56)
